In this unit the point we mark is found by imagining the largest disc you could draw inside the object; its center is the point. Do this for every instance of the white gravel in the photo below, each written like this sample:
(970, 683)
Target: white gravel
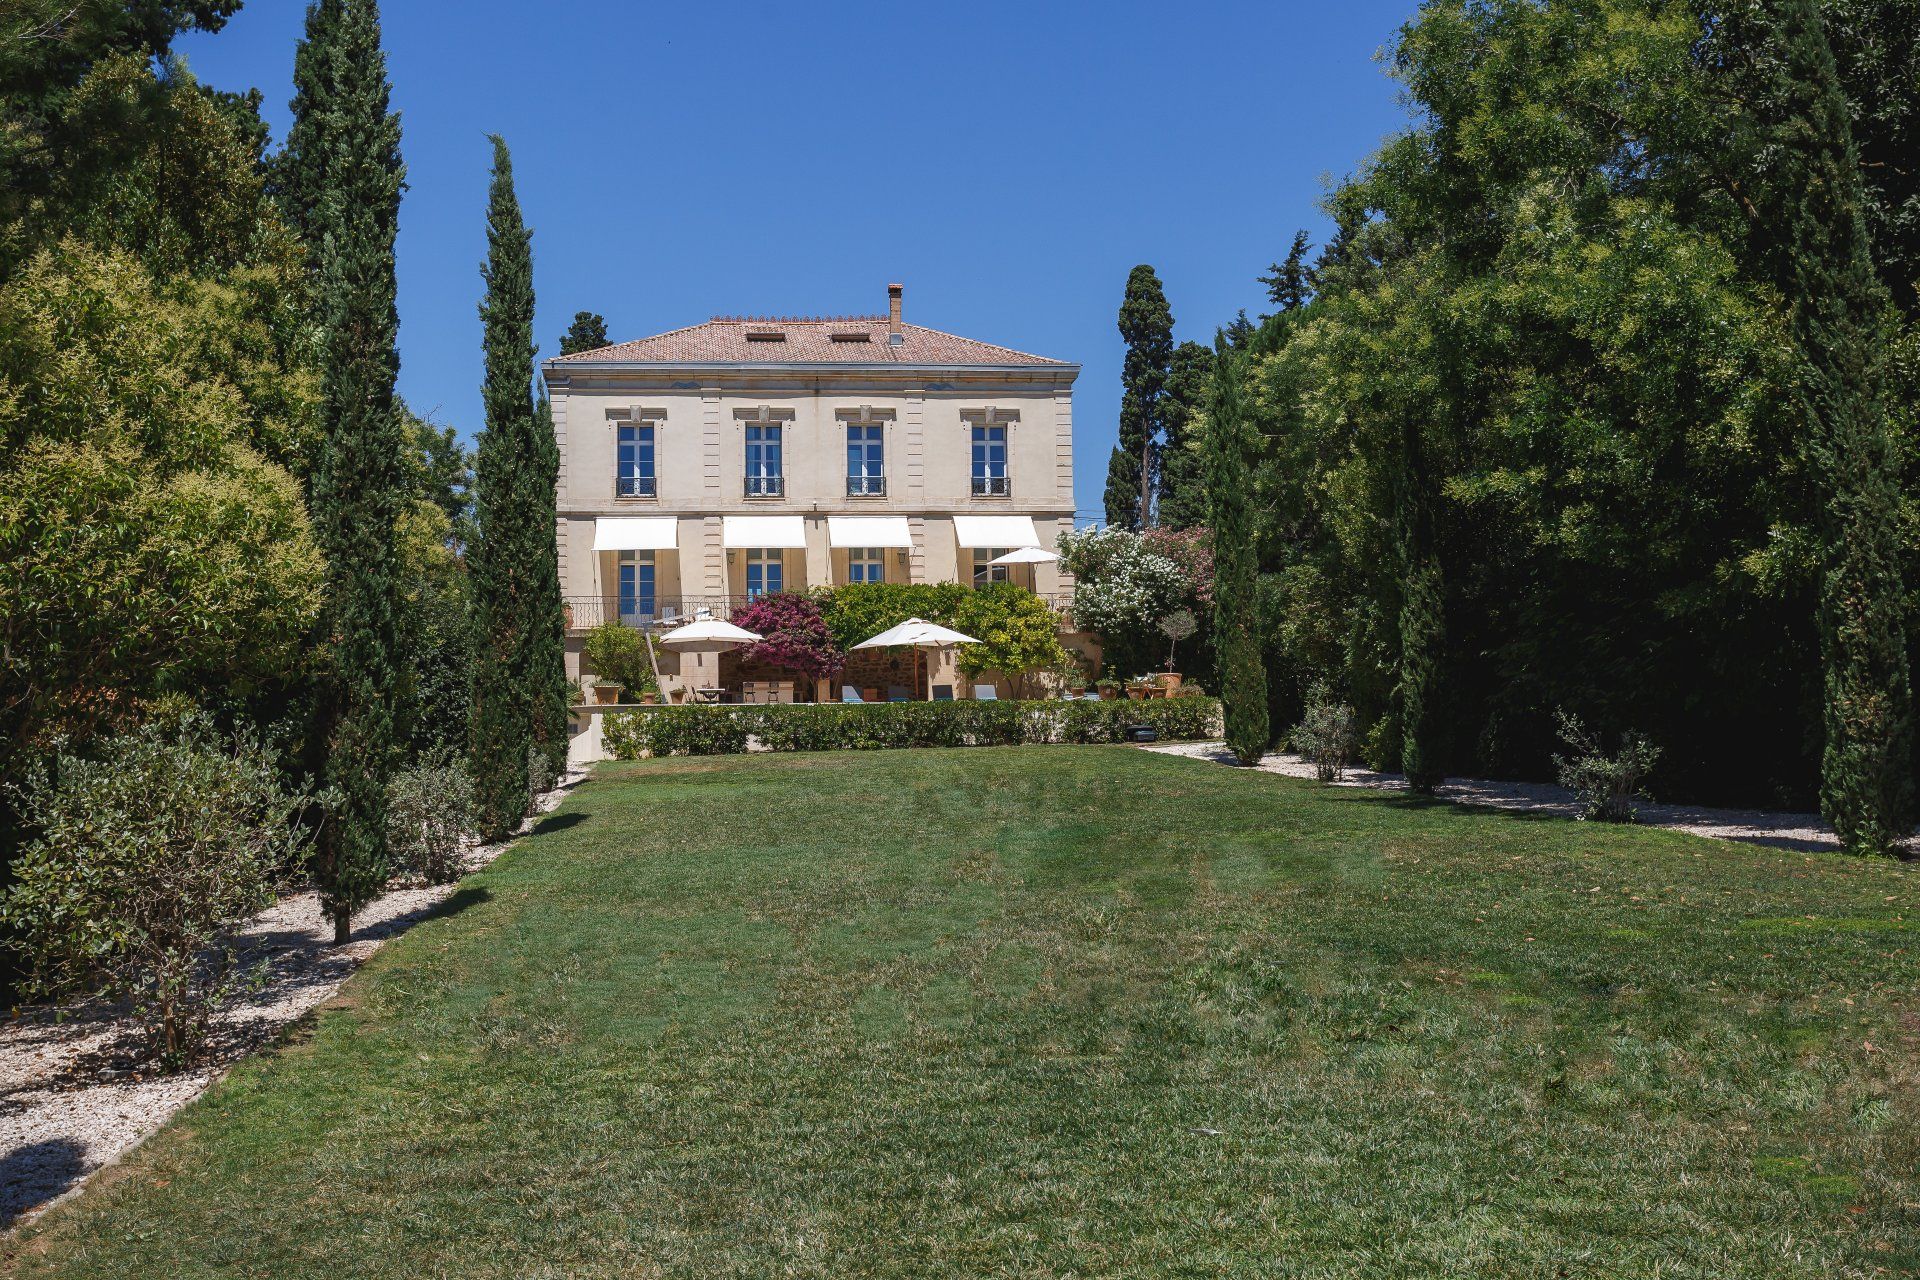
(1805, 831)
(69, 1103)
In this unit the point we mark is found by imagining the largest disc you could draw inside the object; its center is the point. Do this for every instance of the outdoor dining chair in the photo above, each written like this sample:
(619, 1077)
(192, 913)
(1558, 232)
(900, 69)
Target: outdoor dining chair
(985, 693)
(850, 694)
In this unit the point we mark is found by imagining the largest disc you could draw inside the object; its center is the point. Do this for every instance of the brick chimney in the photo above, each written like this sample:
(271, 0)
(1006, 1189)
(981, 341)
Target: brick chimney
(894, 336)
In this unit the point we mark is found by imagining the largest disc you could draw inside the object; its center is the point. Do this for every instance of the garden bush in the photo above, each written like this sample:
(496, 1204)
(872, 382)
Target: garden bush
(430, 817)
(867, 727)
(675, 731)
(1604, 786)
(1326, 735)
(617, 654)
(150, 851)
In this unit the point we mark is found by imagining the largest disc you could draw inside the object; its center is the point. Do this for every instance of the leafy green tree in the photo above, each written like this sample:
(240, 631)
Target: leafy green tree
(1018, 633)
(1290, 283)
(359, 492)
(1146, 326)
(588, 332)
(515, 524)
(163, 558)
(1229, 445)
(1813, 200)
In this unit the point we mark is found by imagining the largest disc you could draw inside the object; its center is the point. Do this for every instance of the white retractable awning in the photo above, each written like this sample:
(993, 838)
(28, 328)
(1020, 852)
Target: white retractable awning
(995, 531)
(634, 533)
(756, 532)
(868, 531)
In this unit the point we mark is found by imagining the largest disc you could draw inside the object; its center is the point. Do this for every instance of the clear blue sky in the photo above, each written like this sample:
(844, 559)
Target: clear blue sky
(1008, 162)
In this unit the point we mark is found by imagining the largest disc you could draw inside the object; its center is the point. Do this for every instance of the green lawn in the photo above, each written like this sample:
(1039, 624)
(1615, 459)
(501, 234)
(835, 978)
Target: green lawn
(1066, 1011)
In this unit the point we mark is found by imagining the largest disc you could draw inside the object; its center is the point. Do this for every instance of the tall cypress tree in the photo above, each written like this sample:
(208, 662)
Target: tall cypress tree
(1422, 621)
(505, 558)
(351, 155)
(1146, 325)
(547, 630)
(1812, 210)
(298, 174)
(1229, 448)
(1182, 501)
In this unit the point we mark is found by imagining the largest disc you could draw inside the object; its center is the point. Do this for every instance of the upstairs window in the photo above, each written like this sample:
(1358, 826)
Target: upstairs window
(635, 477)
(866, 459)
(866, 564)
(765, 478)
(989, 460)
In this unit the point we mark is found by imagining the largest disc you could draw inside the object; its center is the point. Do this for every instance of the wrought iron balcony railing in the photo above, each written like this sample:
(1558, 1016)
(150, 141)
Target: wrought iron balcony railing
(635, 487)
(866, 486)
(766, 486)
(991, 487)
(660, 613)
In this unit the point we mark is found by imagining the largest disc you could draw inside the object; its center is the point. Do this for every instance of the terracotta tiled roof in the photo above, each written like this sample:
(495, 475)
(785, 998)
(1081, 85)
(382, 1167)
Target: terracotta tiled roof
(809, 340)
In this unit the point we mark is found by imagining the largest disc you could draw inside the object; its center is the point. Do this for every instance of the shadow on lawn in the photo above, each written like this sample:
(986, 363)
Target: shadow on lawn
(35, 1172)
(557, 822)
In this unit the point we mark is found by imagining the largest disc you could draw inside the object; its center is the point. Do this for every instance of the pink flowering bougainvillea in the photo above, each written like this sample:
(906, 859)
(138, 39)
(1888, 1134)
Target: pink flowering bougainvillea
(1192, 550)
(796, 636)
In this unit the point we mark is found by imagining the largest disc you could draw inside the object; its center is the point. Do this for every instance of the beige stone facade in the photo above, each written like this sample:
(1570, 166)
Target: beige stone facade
(706, 465)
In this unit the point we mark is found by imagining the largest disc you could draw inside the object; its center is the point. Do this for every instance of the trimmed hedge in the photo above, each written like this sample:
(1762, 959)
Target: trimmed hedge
(708, 731)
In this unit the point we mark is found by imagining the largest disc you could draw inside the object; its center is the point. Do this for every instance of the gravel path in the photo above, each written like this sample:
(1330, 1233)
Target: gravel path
(1806, 831)
(71, 1103)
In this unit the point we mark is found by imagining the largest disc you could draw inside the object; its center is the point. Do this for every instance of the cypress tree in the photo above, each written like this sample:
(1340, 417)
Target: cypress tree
(1229, 447)
(1183, 491)
(588, 332)
(1422, 621)
(547, 633)
(506, 557)
(1814, 207)
(298, 173)
(1146, 325)
(351, 147)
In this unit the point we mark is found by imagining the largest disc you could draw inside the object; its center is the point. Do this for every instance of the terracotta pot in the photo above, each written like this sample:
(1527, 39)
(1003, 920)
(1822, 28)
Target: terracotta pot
(1169, 680)
(606, 694)
(649, 699)
(1137, 692)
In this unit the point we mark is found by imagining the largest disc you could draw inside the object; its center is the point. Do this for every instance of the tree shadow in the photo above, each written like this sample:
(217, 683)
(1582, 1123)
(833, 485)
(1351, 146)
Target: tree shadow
(557, 822)
(35, 1172)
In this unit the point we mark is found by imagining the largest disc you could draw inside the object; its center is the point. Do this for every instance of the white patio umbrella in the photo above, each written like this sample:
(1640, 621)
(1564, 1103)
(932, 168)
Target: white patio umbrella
(918, 634)
(1026, 555)
(708, 635)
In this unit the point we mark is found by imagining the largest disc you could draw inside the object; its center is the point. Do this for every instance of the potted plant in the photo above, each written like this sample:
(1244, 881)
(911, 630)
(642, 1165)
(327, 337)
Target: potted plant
(1108, 684)
(618, 657)
(1140, 687)
(1176, 626)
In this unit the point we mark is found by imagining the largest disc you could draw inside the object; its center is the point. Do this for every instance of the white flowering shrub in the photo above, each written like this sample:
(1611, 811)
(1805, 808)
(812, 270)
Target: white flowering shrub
(1121, 585)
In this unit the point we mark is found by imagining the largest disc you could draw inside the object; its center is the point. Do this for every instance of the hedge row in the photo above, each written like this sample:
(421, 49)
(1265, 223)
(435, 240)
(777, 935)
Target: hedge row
(711, 731)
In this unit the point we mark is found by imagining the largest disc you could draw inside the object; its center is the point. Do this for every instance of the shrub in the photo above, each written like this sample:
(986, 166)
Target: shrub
(149, 852)
(795, 635)
(676, 731)
(618, 655)
(861, 609)
(1017, 631)
(430, 817)
(1326, 734)
(1603, 786)
(833, 727)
